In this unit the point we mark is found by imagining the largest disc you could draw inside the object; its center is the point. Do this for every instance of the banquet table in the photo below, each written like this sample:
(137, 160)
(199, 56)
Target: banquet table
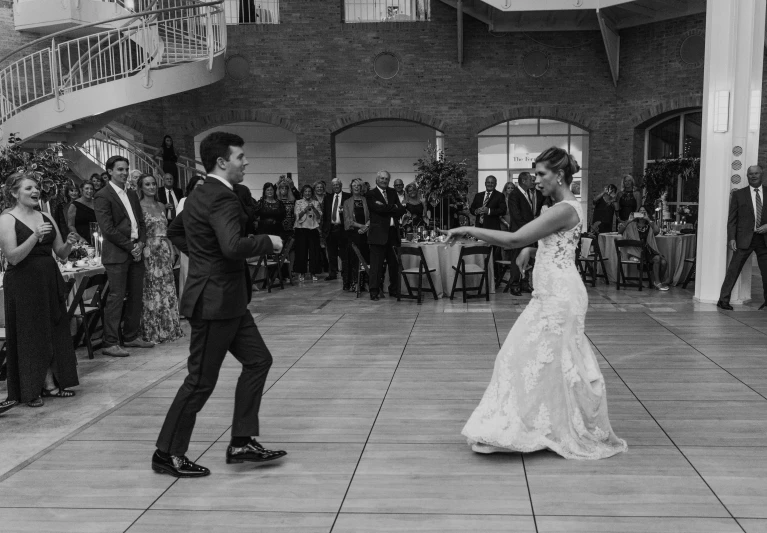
(442, 257)
(675, 248)
(78, 275)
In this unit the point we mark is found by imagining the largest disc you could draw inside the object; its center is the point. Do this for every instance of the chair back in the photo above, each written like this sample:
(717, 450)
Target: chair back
(99, 281)
(628, 243)
(467, 251)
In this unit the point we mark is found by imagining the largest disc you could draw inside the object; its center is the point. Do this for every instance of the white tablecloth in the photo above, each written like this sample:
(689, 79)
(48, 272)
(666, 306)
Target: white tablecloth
(442, 258)
(675, 248)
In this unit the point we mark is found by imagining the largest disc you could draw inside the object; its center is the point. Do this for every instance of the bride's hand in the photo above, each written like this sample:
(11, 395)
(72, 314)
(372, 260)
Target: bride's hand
(455, 233)
(523, 259)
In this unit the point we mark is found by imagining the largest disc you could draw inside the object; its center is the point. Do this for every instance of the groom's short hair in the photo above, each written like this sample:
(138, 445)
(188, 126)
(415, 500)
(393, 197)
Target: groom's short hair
(216, 145)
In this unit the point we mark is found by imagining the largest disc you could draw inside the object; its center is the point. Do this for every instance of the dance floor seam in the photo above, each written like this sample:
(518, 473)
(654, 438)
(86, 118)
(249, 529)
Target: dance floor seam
(369, 400)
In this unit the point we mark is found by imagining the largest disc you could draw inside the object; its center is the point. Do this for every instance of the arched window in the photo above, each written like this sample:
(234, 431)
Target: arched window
(671, 138)
(511, 147)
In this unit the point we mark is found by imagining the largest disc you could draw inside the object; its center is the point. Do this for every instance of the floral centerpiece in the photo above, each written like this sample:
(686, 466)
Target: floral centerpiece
(48, 164)
(442, 182)
(660, 177)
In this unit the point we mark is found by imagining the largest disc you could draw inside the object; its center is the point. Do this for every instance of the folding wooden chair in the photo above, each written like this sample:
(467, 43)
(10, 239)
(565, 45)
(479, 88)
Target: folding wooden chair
(363, 267)
(589, 262)
(690, 273)
(422, 270)
(87, 313)
(621, 278)
(272, 266)
(463, 270)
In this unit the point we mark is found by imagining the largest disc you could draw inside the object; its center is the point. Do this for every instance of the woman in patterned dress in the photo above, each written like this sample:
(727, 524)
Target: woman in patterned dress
(547, 391)
(159, 318)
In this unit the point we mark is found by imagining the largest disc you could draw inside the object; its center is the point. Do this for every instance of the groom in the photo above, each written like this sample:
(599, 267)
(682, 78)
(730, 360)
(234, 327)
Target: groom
(212, 231)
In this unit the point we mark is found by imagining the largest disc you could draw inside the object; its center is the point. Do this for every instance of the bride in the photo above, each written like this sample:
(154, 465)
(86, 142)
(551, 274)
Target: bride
(547, 390)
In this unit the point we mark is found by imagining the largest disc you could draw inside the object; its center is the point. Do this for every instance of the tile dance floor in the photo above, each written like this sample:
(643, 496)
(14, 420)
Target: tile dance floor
(369, 400)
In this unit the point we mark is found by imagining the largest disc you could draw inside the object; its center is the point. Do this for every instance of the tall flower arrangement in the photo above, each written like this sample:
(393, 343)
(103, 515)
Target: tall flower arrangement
(48, 164)
(442, 182)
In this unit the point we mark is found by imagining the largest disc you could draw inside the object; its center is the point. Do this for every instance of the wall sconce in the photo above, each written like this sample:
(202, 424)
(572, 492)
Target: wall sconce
(755, 110)
(721, 111)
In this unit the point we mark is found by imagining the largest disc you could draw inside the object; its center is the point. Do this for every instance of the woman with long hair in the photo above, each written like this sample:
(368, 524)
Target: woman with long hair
(604, 208)
(167, 154)
(547, 391)
(271, 212)
(629, 201)
(159, 317)
(307, 226)
(287, 197)
(415, 206)
(80, 214)
(41, 358)
(357, 224)
(61, 210)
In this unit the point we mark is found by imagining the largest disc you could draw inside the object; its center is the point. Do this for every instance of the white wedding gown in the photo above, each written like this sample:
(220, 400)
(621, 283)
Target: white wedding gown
(547, 390)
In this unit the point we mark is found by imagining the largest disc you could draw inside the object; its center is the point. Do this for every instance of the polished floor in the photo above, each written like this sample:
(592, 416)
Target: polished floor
(369, 400)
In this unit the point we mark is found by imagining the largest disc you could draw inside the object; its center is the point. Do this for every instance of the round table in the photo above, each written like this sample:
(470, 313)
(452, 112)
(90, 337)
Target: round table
(675, 248)
(443, 258)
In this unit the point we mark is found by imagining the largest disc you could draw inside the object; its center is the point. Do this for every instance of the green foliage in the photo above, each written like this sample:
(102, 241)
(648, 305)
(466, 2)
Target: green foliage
(49, 165)
(661, 175)
(438, 178)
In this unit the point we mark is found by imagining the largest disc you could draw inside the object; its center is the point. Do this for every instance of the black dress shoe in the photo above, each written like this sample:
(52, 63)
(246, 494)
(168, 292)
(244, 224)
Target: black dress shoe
(374, 297)
(177, 466)
(526, 288)
(252, 452)
(724, 305)
(515, 291)
(331, 277)
(763, 306)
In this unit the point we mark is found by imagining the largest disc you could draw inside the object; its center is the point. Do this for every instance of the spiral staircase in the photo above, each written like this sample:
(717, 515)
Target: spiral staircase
(63, 89)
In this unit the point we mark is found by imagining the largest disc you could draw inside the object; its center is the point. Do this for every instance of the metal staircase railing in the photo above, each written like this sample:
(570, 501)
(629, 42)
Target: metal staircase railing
(193, 32)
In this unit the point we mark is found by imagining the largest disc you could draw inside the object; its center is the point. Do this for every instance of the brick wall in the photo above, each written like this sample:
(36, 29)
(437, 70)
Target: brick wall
(314, 75)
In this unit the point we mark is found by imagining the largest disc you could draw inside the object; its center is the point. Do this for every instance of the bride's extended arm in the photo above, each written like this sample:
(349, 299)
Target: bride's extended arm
(558, 218)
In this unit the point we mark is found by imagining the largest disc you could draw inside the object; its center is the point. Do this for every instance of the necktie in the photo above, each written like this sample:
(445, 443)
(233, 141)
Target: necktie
(335, 210)
(484, 204)
(758, 213)
(531, 196)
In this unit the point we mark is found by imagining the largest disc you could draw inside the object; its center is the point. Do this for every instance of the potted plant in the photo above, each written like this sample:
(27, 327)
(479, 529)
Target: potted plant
(442, 183)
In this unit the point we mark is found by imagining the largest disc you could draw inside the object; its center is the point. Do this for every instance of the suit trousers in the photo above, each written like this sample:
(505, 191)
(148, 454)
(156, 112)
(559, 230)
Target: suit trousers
(739, 258)
(124, 279)
(380, 253)
(210, 341)
(336, 243)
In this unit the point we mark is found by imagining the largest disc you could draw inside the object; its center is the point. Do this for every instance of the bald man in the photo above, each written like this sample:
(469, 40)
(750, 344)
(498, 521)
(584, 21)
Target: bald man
(746, 233)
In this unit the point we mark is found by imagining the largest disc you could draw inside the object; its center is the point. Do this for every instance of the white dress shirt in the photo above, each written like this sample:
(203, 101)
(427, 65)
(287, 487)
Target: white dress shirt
(401, 197)
(171, 196)
(129, 208)
(386, 201)
(222, 180)
(335, 217)
(753, 202)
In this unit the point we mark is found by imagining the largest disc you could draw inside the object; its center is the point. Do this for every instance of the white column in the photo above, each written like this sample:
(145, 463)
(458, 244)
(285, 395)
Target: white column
(733, 68)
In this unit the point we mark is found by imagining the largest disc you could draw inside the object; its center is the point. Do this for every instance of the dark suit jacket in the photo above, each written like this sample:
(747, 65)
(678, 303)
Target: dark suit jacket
(327, 209)
(741, 220)
(212, 231)
(115, 225)
(162, 197)
(381, 214)
(497, 206)
(520, 211)
(249, 204)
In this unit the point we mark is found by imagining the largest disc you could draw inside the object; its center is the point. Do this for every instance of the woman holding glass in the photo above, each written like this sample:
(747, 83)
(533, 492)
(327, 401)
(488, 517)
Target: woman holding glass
(307, 231)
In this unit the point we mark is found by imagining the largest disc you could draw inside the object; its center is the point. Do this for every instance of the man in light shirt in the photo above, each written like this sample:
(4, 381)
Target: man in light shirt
(118, 213)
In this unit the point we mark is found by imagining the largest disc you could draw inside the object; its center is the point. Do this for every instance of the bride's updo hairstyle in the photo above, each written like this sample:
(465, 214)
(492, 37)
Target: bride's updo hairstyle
(557, 159)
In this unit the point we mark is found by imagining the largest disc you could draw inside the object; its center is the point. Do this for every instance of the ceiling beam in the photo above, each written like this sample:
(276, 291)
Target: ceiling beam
(612, 42)
(638, 9)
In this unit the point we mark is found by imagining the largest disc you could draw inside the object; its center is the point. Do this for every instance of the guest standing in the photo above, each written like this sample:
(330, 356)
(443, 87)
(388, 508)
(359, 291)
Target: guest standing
(335, 232)
(604, 208)
(746, 233)
(159, 317)
(72, 193)
(319, 194)
(383, 236)
(183, 259)
(415, 206)
(41, 359)
(286, 195)
(308, 217)
(629, 201)
(80, 215)
(118, 213)
(170, 196)
(169, 157)
(357, 224)
(399, 188)
(97, 181)
(525, 204)
(488, 206)
(270, 212)
(506, 218)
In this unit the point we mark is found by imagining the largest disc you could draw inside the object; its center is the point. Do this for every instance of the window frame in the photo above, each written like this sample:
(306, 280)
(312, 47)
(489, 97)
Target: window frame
(373, 6)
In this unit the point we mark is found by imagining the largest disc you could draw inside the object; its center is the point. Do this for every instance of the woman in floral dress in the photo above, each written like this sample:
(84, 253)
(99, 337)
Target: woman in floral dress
(159, 318)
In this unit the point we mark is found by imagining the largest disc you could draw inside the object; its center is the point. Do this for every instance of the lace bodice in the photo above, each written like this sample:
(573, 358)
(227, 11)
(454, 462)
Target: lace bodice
(558, 249)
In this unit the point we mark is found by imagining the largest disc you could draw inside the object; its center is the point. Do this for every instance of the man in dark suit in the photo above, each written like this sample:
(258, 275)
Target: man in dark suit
(212, 232)
(333, 230)
(383, 235)
(170, 195)
(118, 213)
(746, 233)
(488, 206)
(525, 204)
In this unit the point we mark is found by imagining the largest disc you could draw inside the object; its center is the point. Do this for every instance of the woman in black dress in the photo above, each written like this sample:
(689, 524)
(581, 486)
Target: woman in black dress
(629, 201)
(71, 193)
(271, 212)
(356, 224)
(416, 207)
(604, 209)
(41, 359)
(81, 214)
(169, 157)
